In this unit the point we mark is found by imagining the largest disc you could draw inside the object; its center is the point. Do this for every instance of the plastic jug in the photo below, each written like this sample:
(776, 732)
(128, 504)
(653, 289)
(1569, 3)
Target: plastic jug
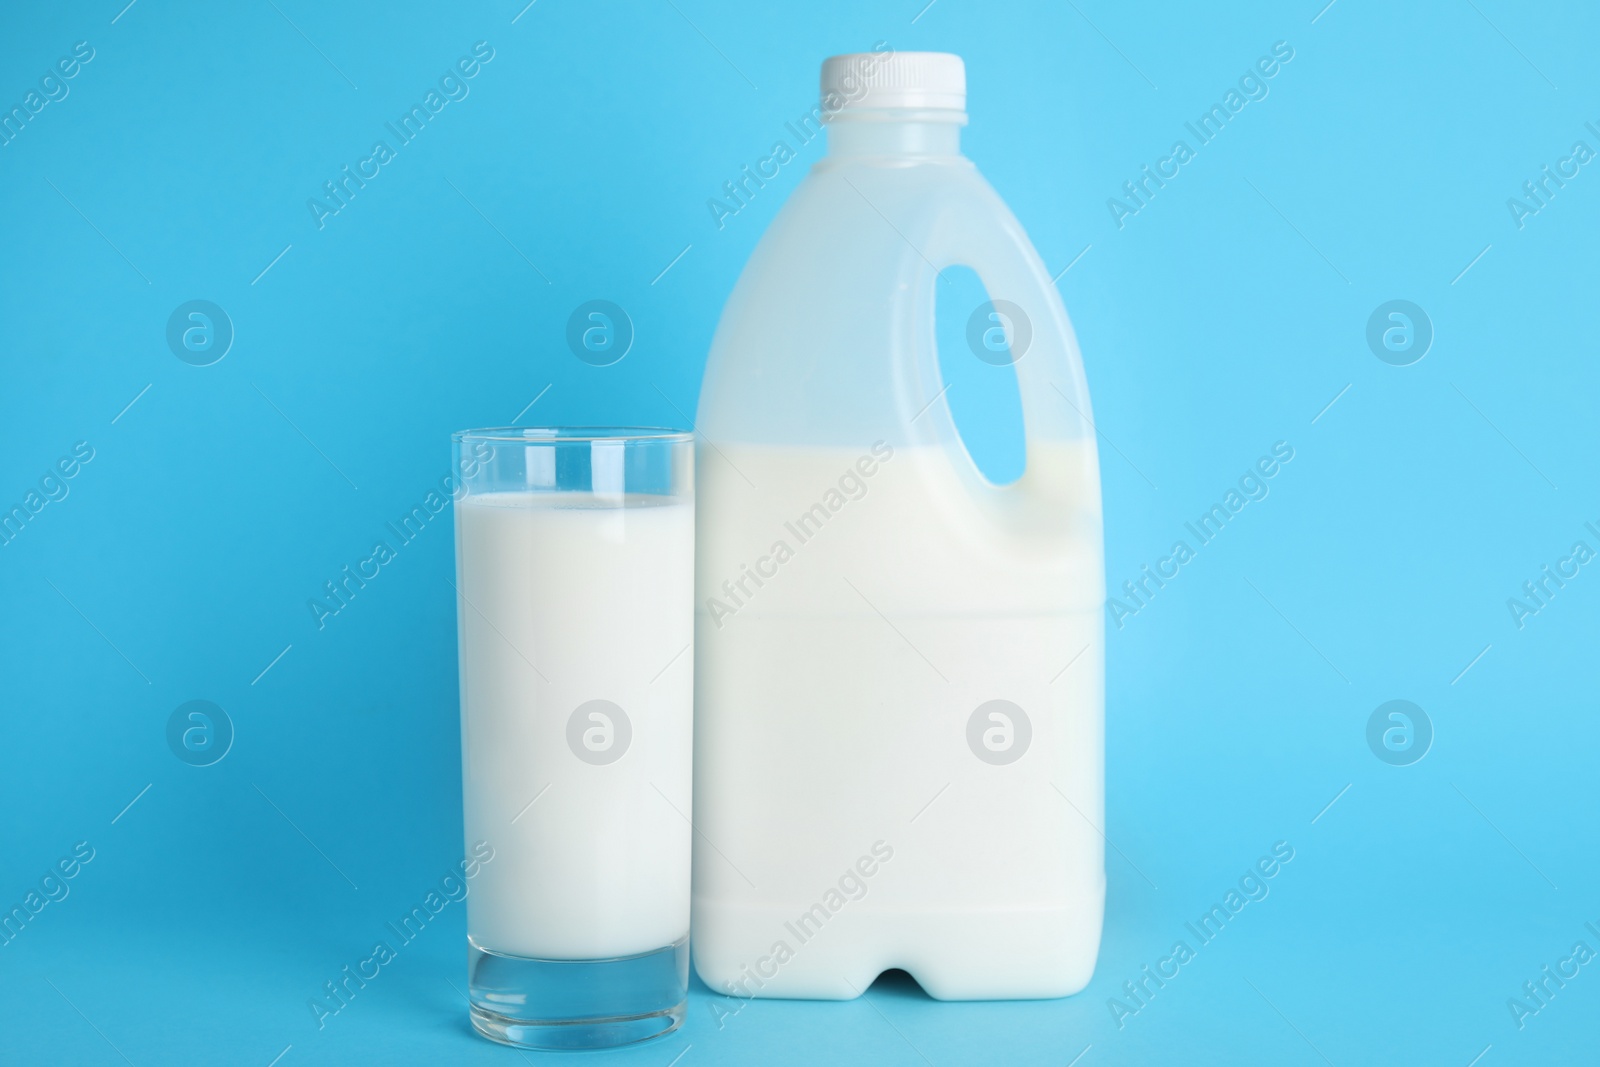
(899, 665)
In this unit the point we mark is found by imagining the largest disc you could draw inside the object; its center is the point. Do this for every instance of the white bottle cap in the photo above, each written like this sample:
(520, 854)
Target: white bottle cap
(912, 80)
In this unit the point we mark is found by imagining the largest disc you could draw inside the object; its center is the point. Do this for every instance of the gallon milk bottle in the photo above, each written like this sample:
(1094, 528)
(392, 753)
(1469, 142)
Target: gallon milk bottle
(899, 665)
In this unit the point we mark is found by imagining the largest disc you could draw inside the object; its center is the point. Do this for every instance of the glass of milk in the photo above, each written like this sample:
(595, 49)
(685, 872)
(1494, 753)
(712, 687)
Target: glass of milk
(575, 621)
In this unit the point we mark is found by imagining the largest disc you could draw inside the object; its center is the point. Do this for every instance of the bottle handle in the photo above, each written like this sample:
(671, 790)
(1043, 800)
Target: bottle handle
(987, 238)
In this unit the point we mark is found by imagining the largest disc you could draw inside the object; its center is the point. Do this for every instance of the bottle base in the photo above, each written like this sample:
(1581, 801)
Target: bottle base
(998, 953)
(577, 1004)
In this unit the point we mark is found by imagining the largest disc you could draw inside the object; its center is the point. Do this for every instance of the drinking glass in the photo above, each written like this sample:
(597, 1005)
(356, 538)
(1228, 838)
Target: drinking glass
(574, 607)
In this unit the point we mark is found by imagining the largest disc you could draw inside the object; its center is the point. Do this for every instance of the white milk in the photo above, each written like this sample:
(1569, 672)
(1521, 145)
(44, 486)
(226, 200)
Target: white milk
(563, 600)
(833, 702)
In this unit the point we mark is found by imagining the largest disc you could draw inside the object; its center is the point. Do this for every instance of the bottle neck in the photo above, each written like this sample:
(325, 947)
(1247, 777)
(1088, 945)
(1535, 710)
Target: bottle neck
(884, 133)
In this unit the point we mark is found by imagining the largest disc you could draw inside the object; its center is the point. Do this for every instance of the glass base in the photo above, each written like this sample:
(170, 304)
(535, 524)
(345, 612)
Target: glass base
(577, 1004)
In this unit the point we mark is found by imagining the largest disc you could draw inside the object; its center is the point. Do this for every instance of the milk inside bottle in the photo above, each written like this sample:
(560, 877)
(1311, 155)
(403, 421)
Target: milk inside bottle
(899, 665)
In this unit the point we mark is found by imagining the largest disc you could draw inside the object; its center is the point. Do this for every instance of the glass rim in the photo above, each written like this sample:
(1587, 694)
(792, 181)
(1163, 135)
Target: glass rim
(574, 434)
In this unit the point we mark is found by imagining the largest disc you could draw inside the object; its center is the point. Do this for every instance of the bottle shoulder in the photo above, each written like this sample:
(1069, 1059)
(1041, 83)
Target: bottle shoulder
(869, 212)
(904, 186)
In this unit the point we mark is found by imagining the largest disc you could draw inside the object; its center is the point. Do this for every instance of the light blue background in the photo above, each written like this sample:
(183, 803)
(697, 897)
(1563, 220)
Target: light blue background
(1224, 317)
